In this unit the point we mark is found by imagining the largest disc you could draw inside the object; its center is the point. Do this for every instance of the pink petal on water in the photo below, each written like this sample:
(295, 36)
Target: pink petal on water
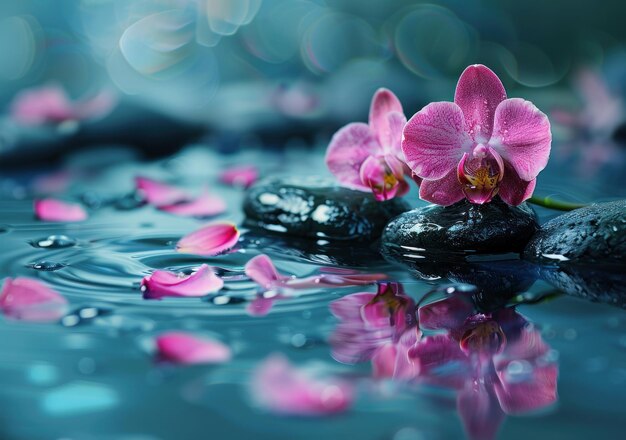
(158, 193)
(53, 210)
(211, 239)
(281, 388)
(522, 136)
(478, 93)
(31, 300)
(205, 205)
(445, 191)
(262, 271)
(163, 283)
(347, 151)
(243, 176)
(435, 139)
(41, 105)
(383, 103)
(184, 348)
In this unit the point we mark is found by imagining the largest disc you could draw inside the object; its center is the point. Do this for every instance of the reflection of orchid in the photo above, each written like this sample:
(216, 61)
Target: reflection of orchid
(496, 362)
(367, 157)
(480, 145)
(380, 327)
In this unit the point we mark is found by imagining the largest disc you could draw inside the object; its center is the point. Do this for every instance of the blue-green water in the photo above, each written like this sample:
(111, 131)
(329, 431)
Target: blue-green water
(93, 375)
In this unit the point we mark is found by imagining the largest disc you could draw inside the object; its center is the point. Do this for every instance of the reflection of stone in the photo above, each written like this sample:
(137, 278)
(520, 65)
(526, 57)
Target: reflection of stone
(436, 231)
(601, 283)
(317, 208)
(594, 233)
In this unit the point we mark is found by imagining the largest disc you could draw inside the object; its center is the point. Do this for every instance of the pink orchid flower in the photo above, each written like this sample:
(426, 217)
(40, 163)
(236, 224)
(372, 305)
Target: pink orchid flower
(187, 349)
(368, 157)
(163, 283)
(31, 300)
(243, 176)
(279, 387)
(378, 327)
(53, 210)
(477, 356)
(211, 239)
(480, 145)
(50, 105)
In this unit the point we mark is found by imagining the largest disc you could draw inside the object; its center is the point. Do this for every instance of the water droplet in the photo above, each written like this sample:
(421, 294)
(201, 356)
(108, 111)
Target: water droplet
(54, 242)
(222, 300)
(48, 266)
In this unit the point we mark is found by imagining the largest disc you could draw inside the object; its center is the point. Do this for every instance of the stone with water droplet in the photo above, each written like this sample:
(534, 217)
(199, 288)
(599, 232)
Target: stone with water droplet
(54, 242)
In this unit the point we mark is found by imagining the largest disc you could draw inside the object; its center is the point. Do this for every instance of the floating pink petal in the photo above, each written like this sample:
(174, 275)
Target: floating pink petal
(262, 271)
(184, 348)
(163, 283)
(243, 176)
(31, 300)
(206, 205)
(211, 239)
(53, 210)
(281, 388)
(158, 193)
(50, 104)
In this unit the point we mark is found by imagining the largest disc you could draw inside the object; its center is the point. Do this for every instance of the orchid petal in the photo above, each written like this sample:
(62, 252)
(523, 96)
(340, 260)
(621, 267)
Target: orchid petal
(384, 361)
(184, 348)
(514, 190)
(480, 411)
(445, 191)
(376, 174)
(31, 300)
(522, 136)
(262, 271)
(281, 388)
(53, 210)
(349, 307)
(243, 176)
(163, 283)
(211, 239)
(435, 138)
(392, 141)
(536, 391)
(347, 151)
(383, 104)
(206, 205)
(446, 314)
(478, 93)
(158, 193)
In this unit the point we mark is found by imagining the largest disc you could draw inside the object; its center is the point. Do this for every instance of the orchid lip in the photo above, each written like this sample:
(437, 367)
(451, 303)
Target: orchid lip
(480, 174)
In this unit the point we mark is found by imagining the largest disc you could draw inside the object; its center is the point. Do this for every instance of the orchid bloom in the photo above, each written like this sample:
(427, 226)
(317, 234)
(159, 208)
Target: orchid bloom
(480, 145)
(368, 157)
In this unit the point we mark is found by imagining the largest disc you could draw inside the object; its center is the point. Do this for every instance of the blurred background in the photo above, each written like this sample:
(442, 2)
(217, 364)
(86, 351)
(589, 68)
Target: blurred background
(279, 72)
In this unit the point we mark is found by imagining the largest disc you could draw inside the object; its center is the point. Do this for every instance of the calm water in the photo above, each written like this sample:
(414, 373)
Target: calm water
(93, 375)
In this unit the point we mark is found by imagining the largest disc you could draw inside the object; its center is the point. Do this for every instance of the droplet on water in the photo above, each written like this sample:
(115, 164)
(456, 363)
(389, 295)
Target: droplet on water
(54, 242)
(48, 266)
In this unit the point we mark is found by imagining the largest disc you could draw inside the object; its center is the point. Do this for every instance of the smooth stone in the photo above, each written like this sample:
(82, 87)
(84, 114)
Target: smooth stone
(442, 232)
(317, 208)
(594, 233)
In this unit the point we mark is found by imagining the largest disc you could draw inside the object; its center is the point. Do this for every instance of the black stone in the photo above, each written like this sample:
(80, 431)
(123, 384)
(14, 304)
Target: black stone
(441, 232)
(594, 233)
(317, 208)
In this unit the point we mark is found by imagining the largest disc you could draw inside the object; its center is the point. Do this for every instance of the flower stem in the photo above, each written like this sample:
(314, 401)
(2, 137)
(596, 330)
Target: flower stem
(547, 202)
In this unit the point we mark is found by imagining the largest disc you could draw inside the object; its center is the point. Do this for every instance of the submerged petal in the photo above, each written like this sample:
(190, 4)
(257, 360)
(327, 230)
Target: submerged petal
(347, 151)
(205, 205)
(478, 93)
(279, 387)
(158, 193)
(53, 210)
(211, 239)
(445, 191)
(31, 300)
(243, 176)
(184, 348)
(435, 138)
(163, 283)
(522, 136)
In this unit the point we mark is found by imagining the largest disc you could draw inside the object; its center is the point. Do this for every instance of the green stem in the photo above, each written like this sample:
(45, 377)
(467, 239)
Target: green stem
(547, 202)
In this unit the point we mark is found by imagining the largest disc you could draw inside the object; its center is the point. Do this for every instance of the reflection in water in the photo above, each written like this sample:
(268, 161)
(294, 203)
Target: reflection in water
(496, 363)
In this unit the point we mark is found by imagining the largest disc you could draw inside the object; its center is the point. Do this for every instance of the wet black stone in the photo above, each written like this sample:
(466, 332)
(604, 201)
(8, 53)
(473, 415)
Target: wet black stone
(439, 232)
(594, 233)
(317, 208)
